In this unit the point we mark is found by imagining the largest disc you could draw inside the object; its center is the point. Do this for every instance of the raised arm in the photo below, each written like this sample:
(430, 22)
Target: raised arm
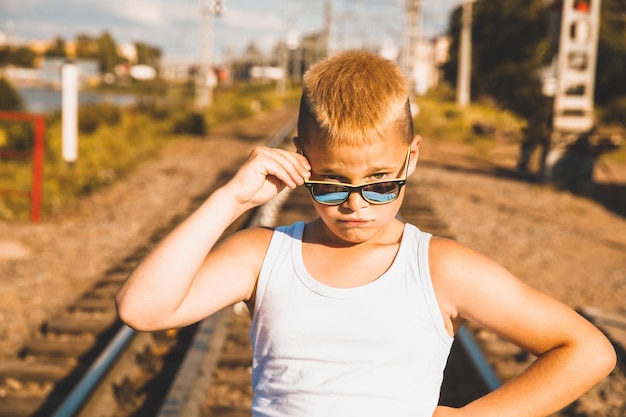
(572, 354)
(184, 278)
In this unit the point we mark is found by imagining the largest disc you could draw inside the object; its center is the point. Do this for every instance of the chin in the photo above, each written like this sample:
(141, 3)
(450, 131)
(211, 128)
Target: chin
(352, 234)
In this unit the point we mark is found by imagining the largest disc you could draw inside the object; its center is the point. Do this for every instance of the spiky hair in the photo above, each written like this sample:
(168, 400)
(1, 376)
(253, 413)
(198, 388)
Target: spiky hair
(354, 97)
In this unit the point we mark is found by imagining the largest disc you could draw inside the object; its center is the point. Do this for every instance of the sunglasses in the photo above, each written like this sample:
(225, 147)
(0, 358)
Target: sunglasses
(375, 192)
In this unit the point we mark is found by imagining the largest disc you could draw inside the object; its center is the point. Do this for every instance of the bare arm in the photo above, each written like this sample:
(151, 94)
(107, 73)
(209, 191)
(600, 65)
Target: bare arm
(572, 354)
(182, 280)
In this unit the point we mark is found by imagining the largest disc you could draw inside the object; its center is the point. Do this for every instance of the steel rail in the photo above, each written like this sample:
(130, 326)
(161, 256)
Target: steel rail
(81, 392)
(194, 375)
(475, 355)
(89, 382)
(482, 367)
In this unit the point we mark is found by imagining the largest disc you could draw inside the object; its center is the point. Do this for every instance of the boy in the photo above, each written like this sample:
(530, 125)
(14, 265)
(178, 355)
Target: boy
(354, 313)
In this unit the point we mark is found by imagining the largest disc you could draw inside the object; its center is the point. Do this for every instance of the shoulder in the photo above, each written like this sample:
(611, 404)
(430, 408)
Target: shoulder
(257, 239)
(448, 263)
(447, 258)
(467, 282)
(451, 259)
(252, 239)
(471, 286)
(458, 265)
(240, 254)
(243, 249)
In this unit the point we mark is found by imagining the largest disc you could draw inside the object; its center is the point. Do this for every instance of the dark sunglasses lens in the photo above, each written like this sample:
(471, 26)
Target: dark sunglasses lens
(329, 194)
(382, 192)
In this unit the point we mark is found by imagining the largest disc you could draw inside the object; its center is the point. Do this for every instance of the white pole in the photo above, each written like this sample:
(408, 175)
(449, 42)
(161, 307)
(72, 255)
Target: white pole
(69, 85)
(204, 78)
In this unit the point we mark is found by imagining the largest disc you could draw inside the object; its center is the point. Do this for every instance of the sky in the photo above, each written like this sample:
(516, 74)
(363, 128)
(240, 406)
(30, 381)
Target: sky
(174, 25)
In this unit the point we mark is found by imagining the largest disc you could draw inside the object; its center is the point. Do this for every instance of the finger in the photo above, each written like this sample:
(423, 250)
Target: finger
(296, 168)
(289, 167)
(281, 169)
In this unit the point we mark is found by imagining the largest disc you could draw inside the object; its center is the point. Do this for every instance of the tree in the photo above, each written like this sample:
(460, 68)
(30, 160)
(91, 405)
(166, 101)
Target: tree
(86, 46)
(9, 97)
(107, 53)
(57, 48)
(19, 133)
(148, 55)
(5, 54)
(611, 67)
(23, 57)
(509, 45)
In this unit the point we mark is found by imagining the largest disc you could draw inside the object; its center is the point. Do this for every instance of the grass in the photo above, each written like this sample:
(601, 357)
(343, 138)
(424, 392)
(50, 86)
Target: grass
(441, 119)
(114, 149)
(618, 155)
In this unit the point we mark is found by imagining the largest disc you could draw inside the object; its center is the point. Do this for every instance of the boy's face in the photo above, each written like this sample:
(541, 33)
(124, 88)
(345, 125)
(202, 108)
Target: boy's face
(357, 220)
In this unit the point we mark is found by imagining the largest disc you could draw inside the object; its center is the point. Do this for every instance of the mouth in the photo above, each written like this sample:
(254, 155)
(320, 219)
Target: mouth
(355, 222)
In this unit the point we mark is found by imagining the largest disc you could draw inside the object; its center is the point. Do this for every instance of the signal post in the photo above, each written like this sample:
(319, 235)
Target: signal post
(575, 142)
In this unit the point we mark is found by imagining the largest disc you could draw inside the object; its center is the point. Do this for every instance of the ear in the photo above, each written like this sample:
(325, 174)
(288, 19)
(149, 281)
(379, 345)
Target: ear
(296, 143)
(415, 151)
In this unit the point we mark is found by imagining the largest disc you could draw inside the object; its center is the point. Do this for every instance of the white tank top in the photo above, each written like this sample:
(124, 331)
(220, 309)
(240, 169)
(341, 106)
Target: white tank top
(374, 350)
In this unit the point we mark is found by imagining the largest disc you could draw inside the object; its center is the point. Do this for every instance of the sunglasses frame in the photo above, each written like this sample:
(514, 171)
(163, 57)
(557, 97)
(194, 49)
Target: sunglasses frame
(360, 187)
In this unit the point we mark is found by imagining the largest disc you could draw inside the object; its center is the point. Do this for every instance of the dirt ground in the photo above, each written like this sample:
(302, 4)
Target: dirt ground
(571, 246)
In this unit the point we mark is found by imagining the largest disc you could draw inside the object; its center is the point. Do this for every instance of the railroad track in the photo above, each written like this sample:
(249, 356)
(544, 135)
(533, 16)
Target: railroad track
(480, 361)
(84, 362)
(83, 358)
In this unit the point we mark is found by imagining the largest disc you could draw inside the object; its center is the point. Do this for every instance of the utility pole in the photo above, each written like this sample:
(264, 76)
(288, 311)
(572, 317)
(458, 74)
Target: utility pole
(284, 45)
(413, 35)
(465, 56)
(205, 78)
(327, 27)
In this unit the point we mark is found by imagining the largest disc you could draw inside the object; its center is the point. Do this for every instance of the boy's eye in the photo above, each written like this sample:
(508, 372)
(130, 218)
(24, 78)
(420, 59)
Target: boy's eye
(374, 177)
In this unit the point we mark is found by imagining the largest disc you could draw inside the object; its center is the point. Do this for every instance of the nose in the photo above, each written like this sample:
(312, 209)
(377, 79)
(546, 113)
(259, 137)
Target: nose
(355, 201)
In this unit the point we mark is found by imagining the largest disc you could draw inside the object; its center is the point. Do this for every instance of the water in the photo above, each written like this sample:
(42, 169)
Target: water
(38, 100)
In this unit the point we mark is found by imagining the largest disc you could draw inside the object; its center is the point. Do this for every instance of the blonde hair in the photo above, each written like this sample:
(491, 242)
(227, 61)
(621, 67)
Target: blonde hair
(354, 97)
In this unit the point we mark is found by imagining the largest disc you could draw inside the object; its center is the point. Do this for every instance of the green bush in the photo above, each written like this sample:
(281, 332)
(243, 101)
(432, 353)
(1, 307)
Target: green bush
(117, 142)
(109, 114)
(16, 135)
(10, 99)
(90, 116)
(88, 120)
(614, 112)
(153, 109)
(476, 124)
(191, 123)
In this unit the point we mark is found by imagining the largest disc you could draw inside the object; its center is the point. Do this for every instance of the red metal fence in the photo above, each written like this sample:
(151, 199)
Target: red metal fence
(36, 156)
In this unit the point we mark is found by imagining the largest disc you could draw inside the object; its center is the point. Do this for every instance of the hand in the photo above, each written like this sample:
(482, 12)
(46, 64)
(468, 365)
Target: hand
(267, 172)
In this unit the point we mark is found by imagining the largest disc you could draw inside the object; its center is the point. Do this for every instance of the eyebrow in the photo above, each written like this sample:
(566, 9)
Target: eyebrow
(337, 171)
